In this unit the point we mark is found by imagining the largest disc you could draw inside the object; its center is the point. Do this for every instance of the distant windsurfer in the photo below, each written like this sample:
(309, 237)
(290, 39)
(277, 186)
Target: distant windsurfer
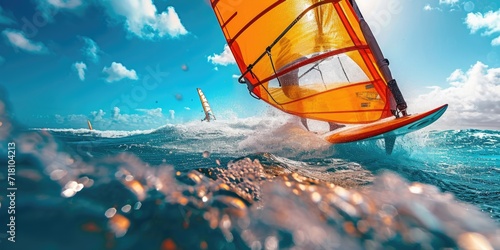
(207, 117)
(397, 100)
(206, 108)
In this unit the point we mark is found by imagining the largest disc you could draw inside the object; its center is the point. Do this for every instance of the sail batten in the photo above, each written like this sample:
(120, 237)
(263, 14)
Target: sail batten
(312, 59)
(306, 57)
(252, 21)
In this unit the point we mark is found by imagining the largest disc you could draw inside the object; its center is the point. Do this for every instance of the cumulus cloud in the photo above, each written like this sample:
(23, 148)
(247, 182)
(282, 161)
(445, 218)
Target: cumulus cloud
(116, 120)
(428, 7)
(91, 50)
(66, 4)
(495, 41)
(152, 112)
(143, 20)
(473, 98)
(80, 68)
(448, 2)
(59, 118)
(489, 22)
(187, 108)
(76, 118)
(146, 119)
(50, 7)
(19, 41)
(172, 114)
(224, 59)
(115, 114)
(98, 115)
(4, 19)
(117, 72)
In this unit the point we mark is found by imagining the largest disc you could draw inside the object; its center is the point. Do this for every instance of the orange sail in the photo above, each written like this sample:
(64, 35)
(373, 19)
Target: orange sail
(309, 58)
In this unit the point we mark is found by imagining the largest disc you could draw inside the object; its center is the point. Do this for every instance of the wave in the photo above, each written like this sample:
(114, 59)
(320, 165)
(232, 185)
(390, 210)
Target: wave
(96, 133)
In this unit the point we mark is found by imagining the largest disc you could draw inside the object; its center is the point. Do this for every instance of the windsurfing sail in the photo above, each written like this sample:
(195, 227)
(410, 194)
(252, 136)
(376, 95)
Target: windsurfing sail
(206, 108)
(89, 124)
(315, 59)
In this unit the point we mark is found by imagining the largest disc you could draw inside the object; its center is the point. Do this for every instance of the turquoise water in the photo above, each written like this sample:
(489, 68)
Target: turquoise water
(252, 183)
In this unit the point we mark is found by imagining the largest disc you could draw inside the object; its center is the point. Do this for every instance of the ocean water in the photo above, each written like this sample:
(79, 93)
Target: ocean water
(247, 183)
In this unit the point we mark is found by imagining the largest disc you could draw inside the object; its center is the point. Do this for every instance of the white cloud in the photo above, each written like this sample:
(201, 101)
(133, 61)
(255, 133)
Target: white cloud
(145, 119)
(76, 118)
(98, 115)
(428, 7)
(170, 23)
(224, 59)
(117, 72)
(490, 22)
(473, 98)
(66, 4)
(59, 118)
(495, 41)
(172, 114)
(449, 2)
(152, 112)
(150, 118)
(4, 19)
(115, 115)
(142, 19)
(49, 8)
(18, 40)
(187, 108)
(91, 50)
(80, 67)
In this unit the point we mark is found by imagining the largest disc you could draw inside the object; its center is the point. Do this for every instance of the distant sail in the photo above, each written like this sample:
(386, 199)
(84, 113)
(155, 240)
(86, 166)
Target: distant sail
(206, 108)
(89, 124)
(310, 58)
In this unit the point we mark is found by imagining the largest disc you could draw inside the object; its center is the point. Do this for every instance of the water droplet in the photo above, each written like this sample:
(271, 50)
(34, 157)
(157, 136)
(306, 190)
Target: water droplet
(126, 208)
(469, 6)
(57, 174)
(271, 243)
(110, 212)
(206, 154)
(316, 197)
(68, 192)
(416, 189)
(138, 205)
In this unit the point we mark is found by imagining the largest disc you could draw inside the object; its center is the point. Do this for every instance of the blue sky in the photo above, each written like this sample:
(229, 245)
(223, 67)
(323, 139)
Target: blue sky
(136, 64)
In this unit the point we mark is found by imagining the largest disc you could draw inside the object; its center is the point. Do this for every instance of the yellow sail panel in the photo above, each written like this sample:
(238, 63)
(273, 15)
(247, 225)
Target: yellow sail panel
(206, 107)
(306, 57)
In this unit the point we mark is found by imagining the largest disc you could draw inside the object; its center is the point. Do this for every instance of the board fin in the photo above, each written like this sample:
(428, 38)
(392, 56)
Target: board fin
(389, 141)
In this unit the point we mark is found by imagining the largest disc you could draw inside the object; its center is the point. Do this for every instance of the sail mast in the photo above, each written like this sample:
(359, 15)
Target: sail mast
(382, 62)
